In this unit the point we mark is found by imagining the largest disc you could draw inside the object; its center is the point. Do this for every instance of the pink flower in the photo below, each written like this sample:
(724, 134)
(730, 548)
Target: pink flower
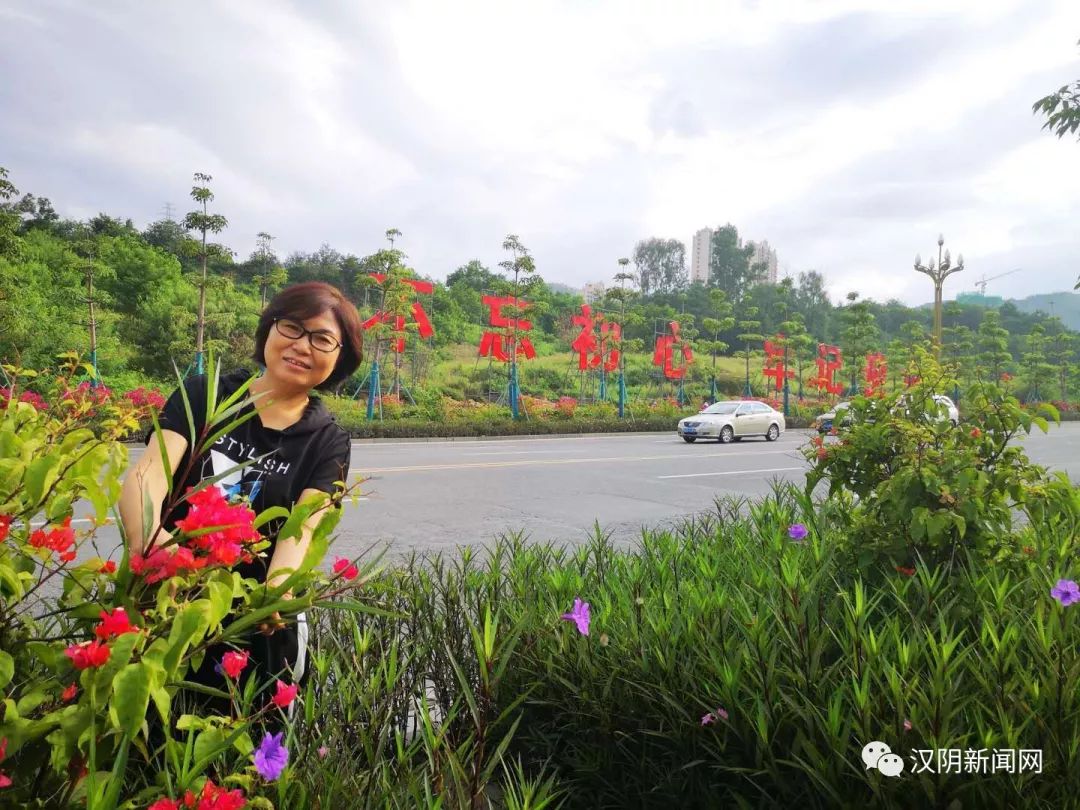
(233, 663)
(323, 751)
(5, 780)
(114, 624)
(89, 654)
(907, 725)
(164, 804)
(286, 694)
(346, 568)
(708, 719)
(579, 616)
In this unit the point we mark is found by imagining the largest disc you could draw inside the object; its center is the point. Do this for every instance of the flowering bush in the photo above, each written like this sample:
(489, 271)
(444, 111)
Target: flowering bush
(92, 653)
(928, 490)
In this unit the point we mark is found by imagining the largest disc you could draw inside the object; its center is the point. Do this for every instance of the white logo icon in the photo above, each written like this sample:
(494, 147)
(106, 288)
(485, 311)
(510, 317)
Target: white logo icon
(878, 755)
(890, 765)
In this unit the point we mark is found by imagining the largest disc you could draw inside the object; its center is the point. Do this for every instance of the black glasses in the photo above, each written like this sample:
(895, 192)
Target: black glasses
(322, 341)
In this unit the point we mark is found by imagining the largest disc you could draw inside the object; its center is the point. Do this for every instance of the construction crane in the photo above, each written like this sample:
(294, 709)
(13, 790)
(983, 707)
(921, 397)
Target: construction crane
(981, 283)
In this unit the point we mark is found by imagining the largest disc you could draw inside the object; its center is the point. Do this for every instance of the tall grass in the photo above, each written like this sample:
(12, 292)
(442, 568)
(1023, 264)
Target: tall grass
(469, 691)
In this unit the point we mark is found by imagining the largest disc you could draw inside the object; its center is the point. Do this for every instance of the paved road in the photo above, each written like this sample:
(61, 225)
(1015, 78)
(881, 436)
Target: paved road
(441, 494)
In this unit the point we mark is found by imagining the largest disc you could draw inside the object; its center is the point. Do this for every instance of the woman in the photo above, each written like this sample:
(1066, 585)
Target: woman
(308, 338)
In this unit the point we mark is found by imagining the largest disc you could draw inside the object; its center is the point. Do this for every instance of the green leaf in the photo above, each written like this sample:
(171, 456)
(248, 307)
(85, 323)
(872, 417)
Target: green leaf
(130, 698)
(165, 461)
(7, 668)
(40, 475)
(189, 625)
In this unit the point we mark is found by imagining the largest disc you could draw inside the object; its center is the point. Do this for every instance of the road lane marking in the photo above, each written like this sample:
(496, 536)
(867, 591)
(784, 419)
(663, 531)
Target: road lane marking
(467, 441)
(512, 452)
(732, 472)
(527, 462)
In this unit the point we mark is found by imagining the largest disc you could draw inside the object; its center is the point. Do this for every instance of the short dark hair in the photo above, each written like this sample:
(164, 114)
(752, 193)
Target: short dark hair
(307, 300)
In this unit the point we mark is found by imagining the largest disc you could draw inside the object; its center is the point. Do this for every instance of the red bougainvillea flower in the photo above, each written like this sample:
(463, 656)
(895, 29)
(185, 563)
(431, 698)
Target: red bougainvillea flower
(345, 568)
(907, 572)
(975, 433)
(141, 397)
(163, 563)
(108, 568)
(69, 694)
(87, 655)
(232, 527)
(5, 780)
(60, 539)
(114, 624)
(233, 663)
(5, 524)
(286, 694)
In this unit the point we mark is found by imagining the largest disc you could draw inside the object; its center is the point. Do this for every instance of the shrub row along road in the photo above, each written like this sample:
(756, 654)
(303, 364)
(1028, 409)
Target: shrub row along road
(440, 494)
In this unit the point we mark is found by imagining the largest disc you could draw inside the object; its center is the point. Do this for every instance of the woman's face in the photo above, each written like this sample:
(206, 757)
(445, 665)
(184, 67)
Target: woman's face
(293, 362)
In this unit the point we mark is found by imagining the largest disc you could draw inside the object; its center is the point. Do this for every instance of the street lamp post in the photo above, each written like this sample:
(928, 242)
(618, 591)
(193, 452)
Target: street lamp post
(938, 273)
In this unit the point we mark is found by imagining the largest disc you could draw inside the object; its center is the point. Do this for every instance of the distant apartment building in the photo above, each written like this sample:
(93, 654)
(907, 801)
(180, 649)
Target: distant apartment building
(699, 256)
(763, 254)
(593, 291)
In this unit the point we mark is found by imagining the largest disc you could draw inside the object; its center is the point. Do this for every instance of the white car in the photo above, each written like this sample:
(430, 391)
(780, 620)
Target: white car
(838, 418)
(731, 421)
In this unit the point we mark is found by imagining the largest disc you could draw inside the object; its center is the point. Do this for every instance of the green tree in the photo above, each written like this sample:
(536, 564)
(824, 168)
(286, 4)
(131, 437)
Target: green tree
(749, 334)
(204, 222)
(813, 302)
(799, 343)
(718, 321)
(1038, 372)
(1061, 353)
(902, 350)
(730, 266)
(267, 272)
(993, 345)
(959, 345)
(661, 265)
(10, 243)
(860, 335)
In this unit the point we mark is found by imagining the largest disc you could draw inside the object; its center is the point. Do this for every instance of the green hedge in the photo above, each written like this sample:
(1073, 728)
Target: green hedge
(808, 659)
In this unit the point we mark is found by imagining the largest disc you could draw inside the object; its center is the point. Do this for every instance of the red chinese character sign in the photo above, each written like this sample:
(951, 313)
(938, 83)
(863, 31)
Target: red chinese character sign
(592, 349)
(829, 362)
(499, 344)
(420, 316)
(775, 365)
(667, 348)
(875, 374)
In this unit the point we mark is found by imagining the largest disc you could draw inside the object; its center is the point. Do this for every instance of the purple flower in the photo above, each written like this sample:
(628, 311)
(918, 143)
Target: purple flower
(1066, 591)
(271, 756)
(579, 615)
(708, 719)
(721, 713)
(797, 532)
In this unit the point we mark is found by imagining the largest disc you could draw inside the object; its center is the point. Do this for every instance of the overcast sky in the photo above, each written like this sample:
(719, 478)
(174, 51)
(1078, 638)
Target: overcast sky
(847, 134)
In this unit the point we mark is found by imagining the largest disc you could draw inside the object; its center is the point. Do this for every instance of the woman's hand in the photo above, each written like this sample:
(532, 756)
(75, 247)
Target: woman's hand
(272, 624)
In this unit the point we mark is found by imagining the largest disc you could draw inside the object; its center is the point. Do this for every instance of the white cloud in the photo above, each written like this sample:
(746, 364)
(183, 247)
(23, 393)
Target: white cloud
(847, 133)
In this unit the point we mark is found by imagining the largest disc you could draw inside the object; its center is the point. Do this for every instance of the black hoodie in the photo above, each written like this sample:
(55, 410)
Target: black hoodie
(314, 453)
